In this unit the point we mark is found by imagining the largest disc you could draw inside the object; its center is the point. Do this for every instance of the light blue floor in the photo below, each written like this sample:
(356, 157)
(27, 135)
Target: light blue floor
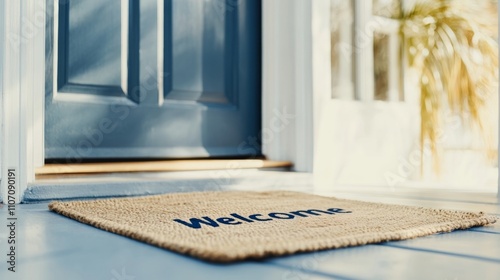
(54, 247)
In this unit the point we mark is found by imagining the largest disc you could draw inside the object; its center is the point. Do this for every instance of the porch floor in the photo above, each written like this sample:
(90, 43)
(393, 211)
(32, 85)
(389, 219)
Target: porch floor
(50, 246)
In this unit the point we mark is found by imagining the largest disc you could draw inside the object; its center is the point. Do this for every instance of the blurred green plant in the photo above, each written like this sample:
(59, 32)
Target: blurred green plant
(452, 44)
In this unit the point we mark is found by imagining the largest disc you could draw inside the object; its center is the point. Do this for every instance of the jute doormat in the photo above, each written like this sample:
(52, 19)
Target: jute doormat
(232, 226)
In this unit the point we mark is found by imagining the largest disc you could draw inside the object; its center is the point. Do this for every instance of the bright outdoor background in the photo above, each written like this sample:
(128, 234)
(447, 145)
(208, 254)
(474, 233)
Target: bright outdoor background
(431, 120)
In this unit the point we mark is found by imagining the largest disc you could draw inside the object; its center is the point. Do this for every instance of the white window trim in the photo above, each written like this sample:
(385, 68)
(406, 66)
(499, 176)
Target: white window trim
(287, 87)
(364, 58)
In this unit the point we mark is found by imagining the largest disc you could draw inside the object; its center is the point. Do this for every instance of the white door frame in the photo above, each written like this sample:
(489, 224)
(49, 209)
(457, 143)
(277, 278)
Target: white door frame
(287, 97)
(23, 95)
(287, 82)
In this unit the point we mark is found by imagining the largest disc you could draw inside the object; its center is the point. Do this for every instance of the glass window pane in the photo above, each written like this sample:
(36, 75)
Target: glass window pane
(342, 20)
(387, 8)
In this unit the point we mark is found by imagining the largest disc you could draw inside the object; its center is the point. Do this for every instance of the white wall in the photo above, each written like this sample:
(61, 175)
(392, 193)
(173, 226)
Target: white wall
(362, 143)
(377, 144)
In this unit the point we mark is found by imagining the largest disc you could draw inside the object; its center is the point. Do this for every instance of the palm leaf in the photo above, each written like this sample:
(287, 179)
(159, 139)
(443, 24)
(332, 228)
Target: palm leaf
(451, 43)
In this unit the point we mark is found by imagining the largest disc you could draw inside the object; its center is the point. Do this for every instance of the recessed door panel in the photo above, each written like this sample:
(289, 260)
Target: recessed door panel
(199, 49)
(93, 47)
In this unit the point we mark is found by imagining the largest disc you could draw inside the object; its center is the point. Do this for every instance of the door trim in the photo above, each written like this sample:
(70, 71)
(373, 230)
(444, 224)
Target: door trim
(287, 106)
(22, 109)
(287, 82)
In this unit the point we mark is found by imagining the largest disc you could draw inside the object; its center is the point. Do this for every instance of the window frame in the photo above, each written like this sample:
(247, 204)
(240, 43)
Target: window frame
(366, 24)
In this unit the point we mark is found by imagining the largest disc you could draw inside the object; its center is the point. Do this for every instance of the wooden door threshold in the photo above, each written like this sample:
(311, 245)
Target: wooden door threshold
(160, 166)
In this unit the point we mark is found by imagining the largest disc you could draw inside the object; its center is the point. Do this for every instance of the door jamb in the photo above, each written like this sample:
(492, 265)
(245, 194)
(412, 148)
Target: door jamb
(287, 82)
(23, 95)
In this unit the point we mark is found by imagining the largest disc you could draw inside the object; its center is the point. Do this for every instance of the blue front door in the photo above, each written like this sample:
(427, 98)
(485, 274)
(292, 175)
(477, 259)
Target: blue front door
(153, 79)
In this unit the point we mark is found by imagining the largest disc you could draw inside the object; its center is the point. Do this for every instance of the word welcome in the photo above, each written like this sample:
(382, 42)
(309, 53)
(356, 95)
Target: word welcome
(237, 219)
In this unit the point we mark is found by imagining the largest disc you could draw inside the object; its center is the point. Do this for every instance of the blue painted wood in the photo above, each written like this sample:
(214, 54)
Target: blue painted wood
(209, 104)
(199, 40)
(382, 262)
(408, 199)
(52, 243)
(495, 228)
(476, 245)
(54, 247)
(89, 48)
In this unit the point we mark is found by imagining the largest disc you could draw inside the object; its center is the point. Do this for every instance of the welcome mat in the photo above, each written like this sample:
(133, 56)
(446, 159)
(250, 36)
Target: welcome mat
(232, 226)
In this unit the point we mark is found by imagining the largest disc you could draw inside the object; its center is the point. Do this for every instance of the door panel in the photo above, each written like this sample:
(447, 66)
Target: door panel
(86, 63)
(153, 79)
(200, 50)
(91, 57)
